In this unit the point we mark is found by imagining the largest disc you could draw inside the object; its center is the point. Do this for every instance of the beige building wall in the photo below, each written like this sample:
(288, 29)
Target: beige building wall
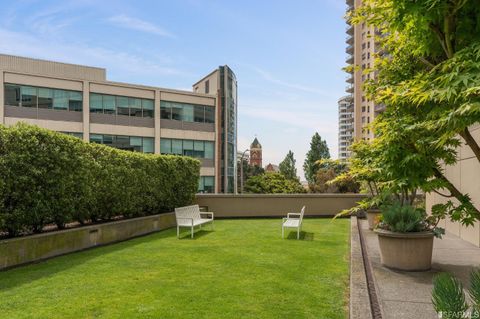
(364, 50)
(465, 175)
(49, 74)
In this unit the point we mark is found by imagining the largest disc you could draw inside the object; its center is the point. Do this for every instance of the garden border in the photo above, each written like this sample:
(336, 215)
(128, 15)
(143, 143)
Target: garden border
(34, 248)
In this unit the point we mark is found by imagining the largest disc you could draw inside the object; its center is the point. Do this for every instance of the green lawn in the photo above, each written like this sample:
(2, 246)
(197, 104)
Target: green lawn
(243, 269)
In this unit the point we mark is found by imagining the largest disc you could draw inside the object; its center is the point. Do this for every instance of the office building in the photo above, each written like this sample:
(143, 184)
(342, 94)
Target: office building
(222, 82)
(79, 100)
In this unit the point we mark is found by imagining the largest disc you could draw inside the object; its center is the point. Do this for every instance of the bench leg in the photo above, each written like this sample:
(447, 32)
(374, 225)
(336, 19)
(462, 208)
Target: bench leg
(192, 232)
(213, 227)
(283, 232)
(298, 232)
(178, 231)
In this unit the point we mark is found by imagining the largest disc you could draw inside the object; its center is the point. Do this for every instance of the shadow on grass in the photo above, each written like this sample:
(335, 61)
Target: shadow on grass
(45, 268)
(196, 234)
(303, 236)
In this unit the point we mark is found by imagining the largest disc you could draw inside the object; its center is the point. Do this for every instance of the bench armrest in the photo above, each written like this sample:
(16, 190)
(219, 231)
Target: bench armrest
(208, 213)
(293, 214)
(185, 218)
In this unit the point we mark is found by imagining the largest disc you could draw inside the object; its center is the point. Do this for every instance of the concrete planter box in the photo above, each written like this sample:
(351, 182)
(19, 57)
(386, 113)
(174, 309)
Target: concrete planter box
(372, 215)
(406, 251)
(33, 248)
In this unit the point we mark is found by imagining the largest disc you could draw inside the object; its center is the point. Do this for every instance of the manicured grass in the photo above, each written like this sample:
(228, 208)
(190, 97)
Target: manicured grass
(243, 269)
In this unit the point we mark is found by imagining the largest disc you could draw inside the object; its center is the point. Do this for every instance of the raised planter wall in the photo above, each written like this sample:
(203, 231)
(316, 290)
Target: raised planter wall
(276, 205)
(23, 250)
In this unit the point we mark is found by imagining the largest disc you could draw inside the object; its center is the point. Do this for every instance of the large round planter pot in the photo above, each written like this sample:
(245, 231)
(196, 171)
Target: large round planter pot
(406, 251)
(372, 217)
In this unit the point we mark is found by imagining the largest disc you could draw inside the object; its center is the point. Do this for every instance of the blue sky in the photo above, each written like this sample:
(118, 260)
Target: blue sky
(287, 55)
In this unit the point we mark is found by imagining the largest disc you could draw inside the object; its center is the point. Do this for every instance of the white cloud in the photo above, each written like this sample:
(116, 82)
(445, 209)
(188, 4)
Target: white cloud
(295, 118)
(18, 43)
(127, 22)
(269, 77)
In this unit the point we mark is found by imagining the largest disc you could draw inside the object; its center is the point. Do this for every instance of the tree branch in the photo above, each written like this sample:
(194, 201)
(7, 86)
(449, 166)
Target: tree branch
(470, 141)
(440, 36)
(443, 195)
(427, 63)
(454, 191)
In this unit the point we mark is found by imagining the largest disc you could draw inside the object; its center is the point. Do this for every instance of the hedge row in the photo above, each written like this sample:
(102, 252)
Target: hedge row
(53, 178)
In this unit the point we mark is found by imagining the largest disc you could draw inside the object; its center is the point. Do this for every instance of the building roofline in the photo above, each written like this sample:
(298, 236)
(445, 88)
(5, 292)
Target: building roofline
(52, 61)
(206, 76)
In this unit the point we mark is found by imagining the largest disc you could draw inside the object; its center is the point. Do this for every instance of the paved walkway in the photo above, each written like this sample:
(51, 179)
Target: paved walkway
(408, 294)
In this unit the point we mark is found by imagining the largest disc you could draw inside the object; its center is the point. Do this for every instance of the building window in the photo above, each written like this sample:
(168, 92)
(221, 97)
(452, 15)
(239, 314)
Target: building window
(128, 143)
(121, 105)
(44, 98)
(207, 86)
(187, 112)
(192, 148)
(206, 184)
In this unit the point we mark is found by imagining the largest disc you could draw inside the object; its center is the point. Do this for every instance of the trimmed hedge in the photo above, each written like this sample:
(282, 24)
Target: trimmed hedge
(48, 177)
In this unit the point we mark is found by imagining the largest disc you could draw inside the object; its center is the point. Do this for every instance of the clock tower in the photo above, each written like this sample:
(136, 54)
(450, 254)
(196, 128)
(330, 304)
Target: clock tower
(256, 153)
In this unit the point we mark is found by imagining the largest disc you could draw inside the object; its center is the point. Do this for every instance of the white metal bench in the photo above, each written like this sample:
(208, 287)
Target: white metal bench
(191, 216)
(293, 220)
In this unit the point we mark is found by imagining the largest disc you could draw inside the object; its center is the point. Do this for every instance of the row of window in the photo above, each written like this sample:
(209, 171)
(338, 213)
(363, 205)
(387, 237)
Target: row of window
(206, 184)
(187, 112)
(197, 149)
(129, 143)
(44, 98)
(121, 105)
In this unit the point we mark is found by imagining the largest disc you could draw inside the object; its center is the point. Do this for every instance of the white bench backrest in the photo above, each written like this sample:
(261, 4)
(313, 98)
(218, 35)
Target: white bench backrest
(188, 212)
(301, 214)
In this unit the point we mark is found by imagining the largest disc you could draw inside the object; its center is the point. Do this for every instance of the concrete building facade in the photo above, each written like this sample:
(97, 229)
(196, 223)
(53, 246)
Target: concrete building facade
(465, 176)
(79, 100)
(345, 126)
(361, 49)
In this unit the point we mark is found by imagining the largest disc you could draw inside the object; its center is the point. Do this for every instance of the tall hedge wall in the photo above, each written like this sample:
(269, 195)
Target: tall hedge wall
(48, 177)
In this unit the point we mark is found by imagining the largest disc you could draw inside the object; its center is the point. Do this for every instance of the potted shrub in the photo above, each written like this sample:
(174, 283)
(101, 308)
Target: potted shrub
(405, 236)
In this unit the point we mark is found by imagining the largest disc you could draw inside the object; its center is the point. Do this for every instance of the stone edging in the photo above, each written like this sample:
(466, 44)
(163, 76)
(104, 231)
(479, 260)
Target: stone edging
(376, 311)
(363, 297)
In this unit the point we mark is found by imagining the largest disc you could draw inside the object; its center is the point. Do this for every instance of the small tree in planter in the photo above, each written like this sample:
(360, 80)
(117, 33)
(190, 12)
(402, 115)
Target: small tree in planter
(366, 170)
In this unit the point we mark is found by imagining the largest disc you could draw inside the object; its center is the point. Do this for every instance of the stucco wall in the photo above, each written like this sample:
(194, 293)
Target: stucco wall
(22, 250)
(465, 175)
(276, 205)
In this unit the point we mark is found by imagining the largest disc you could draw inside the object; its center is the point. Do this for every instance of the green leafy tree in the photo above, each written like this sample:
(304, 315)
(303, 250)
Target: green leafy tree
(318, 150)
(287, 166)
(430, 84)
(326, 178)
(248, 172)
(273, 183)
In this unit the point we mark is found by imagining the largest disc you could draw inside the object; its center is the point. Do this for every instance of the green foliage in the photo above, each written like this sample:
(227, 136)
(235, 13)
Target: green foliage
(430, 83)
(273, 183)
(287, 167)
(248, 172)
(403, 218)
(474, 292)
(326, 180)
(48, 177)
(318, 150)
(448, 297)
